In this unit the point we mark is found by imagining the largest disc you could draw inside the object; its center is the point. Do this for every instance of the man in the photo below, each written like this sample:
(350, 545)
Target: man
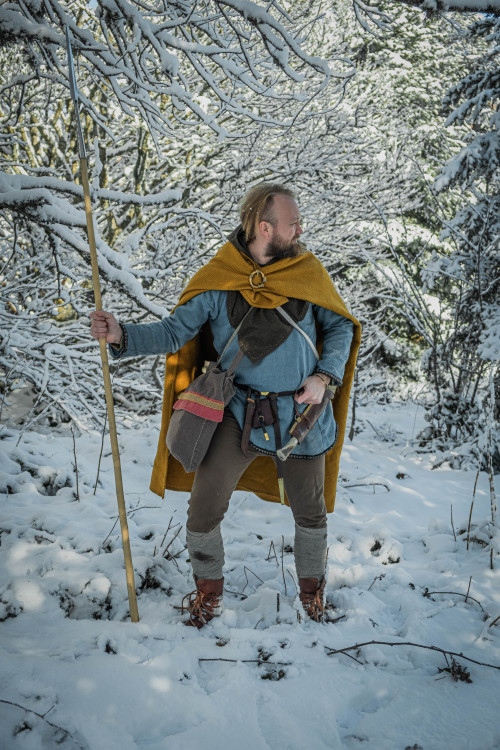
(262, 266)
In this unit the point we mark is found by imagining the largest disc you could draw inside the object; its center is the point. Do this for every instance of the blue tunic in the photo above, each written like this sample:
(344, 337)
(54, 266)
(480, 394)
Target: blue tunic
(285, 369)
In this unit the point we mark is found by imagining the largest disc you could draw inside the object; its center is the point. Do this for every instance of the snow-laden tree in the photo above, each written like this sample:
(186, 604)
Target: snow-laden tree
(196, 60)
(464, 367)
(444, 283)
(435, 7)
(395, 103)
(45, 259)
(161, 86)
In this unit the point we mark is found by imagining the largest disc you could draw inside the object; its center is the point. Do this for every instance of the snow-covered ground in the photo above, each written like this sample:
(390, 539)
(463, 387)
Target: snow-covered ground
(76, 673)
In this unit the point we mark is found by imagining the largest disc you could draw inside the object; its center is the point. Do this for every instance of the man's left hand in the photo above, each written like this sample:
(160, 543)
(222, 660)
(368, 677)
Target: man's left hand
(311, 391)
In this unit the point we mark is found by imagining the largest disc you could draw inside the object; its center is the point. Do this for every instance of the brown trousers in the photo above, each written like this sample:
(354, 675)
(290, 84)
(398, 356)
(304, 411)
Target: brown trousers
(223, 465)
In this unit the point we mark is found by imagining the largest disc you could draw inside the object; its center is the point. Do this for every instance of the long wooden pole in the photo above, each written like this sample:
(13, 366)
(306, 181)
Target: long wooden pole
(129, 570)
(134, 612)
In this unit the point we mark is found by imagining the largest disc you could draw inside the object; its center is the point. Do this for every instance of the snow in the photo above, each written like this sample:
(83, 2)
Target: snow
(76, 671)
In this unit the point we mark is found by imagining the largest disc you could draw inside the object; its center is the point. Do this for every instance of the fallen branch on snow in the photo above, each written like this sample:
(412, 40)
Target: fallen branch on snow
(42, 716)
(428, 594)
(368, 484)
(445, 652)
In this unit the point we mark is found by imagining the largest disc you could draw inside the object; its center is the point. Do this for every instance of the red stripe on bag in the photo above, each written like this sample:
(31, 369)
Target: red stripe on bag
(207, 408)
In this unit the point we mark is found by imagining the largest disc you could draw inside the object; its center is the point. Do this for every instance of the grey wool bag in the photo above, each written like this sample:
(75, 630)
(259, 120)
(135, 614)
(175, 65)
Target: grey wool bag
(200, 408)
(198, 411)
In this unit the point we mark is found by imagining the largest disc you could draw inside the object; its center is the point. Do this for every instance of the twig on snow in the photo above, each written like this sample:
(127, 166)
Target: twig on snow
(42, 716)
(471, 507)
(168, 529)
(377, 578)
(76, 464)
(368, 484)
(282, 561)
(445, 652)
(130, 512)
(272, 547)
(260, 662)
(246, 577)
(468, 589)
(105, 540)
(374, 428)
(101, 452)
(353, 410)
(428, 594)
(166, 552)
(491, 480)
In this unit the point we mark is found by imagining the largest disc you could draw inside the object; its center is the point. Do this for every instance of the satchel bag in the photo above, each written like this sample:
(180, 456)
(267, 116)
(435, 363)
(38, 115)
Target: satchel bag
(200, 408)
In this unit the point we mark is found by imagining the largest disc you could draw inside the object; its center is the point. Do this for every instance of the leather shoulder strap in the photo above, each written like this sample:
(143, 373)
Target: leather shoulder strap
(299, 329)
(232, 337)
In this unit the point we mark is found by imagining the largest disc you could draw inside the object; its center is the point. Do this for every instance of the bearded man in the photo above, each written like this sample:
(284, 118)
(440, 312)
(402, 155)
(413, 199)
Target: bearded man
(263, 266)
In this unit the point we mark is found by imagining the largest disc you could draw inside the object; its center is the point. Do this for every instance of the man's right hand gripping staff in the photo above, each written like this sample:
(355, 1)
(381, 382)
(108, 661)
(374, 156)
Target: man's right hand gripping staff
(104, 325)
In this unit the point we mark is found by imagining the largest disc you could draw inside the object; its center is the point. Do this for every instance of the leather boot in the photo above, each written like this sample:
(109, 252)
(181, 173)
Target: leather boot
(311, 596)
(204, 603)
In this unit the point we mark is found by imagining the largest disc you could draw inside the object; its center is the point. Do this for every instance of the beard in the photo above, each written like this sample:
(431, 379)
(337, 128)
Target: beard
(279, 249)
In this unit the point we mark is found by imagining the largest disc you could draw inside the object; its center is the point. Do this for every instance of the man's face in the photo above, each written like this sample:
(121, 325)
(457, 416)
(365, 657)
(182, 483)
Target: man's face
(285, 230)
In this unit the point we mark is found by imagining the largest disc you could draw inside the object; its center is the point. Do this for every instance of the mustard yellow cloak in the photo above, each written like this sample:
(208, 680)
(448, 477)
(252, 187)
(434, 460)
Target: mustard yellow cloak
(303, 277)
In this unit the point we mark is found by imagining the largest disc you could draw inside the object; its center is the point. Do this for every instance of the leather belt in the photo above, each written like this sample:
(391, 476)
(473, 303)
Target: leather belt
(254, 406)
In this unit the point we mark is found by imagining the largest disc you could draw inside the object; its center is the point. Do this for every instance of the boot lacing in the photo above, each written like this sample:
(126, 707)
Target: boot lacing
(200, 606)
(314, 606)
(311, 596)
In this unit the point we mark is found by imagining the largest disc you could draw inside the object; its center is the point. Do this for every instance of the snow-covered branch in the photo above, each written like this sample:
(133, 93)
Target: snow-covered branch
(152, 59)
(456, 6)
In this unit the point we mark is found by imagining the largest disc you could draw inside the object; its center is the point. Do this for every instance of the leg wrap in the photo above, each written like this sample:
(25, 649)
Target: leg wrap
(310, 552)
(206, 551)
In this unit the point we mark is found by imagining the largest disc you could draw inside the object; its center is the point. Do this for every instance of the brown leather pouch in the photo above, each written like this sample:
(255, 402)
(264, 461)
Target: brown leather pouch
(263, 407)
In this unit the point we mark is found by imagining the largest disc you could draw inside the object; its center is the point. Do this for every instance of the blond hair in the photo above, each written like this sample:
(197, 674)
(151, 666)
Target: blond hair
(257, 206)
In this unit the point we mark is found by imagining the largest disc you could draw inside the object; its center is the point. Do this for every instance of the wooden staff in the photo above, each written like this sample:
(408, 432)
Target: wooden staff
(134, 613)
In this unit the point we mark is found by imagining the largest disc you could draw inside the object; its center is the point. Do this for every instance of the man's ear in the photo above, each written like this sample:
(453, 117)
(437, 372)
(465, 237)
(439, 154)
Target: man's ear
(264, 228)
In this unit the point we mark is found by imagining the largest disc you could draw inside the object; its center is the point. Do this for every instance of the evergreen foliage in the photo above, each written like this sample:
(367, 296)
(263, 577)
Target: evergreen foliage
(464, 367)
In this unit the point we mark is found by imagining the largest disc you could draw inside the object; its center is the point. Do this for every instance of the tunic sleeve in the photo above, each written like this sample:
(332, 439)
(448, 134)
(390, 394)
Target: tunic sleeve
(337, 337)
(169, 334)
